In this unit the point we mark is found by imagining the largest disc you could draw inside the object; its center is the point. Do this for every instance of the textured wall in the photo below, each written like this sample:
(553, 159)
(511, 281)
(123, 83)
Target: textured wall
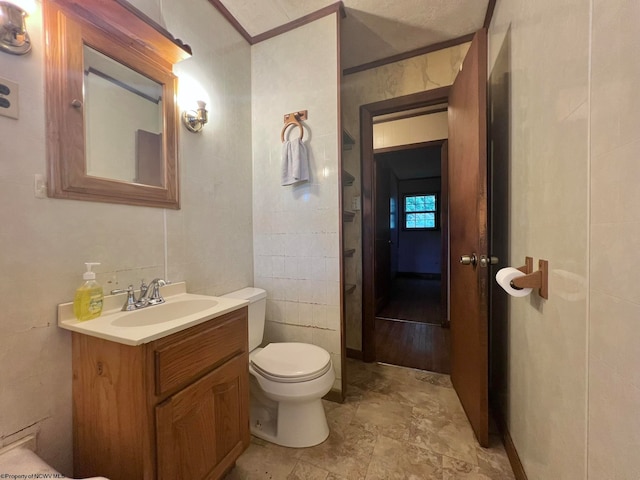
(296, 239)
(44, 242)
(540, 113)
(566, 84)
(433, 70)
(614, 333)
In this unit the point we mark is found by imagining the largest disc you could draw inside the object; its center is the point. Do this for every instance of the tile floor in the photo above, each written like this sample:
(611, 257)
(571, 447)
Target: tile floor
(396, 423)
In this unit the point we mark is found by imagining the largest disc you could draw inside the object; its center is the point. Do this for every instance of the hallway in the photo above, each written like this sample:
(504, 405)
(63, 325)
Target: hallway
(415, 299)
(395, 423)
(407, 329)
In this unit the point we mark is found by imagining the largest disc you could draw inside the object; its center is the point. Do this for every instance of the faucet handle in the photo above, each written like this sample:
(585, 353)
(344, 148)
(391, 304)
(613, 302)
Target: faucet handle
(130, 303)
(143, 288)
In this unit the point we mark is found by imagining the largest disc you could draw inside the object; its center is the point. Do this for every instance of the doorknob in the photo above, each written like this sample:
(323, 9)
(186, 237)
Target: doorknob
(469, 259)
(485, 261)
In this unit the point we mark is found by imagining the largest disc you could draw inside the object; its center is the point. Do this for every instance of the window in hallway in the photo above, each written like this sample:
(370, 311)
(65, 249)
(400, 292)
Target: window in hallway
(421, 211)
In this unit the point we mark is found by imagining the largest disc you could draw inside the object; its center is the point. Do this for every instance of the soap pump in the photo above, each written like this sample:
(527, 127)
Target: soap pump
(87, 303)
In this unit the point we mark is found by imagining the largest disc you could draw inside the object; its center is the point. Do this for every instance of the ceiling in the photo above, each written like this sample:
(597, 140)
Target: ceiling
(372, 29)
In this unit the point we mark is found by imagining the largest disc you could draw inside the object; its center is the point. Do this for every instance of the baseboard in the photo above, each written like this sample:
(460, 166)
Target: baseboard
(334, 395)
(509, 446)
(28, 442)
(514, 458)
(353, 353)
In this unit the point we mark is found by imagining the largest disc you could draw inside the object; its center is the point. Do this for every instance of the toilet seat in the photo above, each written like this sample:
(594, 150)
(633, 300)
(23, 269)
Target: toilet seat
(291, 362)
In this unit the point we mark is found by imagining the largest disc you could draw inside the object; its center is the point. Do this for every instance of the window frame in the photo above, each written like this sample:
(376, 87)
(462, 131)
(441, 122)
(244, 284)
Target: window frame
(436, 212)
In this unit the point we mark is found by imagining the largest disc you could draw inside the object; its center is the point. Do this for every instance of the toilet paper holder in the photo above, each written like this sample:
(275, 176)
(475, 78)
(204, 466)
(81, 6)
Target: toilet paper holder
(538, 279)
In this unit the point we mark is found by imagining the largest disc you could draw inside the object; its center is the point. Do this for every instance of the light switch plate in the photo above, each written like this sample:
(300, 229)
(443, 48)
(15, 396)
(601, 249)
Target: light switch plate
(8, 98)
(39, 186)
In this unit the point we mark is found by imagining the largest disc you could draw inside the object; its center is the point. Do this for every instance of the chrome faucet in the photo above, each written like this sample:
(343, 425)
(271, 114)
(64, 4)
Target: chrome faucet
(151, 295)
(130, 302)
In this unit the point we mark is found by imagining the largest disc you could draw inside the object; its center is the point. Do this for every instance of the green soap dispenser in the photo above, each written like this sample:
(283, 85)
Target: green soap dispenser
(87, 304)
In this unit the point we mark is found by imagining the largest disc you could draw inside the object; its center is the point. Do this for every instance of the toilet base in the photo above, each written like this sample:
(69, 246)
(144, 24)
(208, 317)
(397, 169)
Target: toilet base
(295, 424)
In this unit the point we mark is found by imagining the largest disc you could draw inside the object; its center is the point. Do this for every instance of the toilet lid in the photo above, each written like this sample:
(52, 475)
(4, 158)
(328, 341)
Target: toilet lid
(291, 362)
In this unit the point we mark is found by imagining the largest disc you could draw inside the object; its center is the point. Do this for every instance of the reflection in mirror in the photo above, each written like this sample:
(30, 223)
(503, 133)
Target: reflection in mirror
(112, 131)
(123, 122)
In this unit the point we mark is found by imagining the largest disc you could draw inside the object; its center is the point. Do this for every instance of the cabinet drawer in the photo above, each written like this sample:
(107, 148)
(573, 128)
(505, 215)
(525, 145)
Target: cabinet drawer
(187, 355)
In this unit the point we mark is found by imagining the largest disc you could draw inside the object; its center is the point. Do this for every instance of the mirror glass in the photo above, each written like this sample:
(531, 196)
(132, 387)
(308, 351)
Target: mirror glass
(123, 122)
(112, 118)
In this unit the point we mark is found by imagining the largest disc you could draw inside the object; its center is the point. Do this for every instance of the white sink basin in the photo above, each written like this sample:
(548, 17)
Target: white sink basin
(181, 310)
(166, 312)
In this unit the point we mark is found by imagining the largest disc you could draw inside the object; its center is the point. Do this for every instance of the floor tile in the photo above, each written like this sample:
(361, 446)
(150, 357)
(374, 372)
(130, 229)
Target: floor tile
(395, 460)
(263, 462)
(494, 459)
(382, 416)
(453, 469)
(346, 453)
(437, 379)
(395, 423)
(306, 471)
(443, 435)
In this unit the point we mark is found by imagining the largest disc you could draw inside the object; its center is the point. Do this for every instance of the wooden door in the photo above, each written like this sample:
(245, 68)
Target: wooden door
(468, 236)
(382, 233)
(149, 158)
(202, 429)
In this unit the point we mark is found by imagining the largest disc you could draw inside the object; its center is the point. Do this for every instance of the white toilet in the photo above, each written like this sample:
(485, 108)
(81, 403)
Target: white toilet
(288, 381)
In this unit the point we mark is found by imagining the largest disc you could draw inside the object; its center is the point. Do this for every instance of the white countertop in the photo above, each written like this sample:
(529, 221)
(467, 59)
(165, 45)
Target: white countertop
(149, 323)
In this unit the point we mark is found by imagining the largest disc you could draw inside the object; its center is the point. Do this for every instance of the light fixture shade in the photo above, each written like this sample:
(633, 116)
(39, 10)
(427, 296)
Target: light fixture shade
(27, 6)
(14, 38)
(194, 120)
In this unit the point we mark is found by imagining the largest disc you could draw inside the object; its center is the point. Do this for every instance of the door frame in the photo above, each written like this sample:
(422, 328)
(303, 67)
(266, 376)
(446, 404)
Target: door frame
(367, 113)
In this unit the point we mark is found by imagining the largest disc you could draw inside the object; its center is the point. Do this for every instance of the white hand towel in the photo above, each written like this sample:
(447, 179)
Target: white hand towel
(295, 162)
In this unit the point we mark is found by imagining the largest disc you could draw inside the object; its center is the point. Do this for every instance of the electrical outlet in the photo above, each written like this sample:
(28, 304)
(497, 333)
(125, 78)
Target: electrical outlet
(8, 98)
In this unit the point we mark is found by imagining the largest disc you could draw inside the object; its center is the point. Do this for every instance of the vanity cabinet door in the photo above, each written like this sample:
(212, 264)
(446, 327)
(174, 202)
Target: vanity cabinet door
(202, 429)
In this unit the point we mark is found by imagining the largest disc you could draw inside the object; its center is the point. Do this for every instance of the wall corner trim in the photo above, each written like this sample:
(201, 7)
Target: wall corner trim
(218, 5)
(410, 54)
(489, 15)
(337, 7)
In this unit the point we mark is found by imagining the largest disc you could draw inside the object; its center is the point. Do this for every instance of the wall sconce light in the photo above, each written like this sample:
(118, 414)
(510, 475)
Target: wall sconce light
(14, 38)
(194, 120)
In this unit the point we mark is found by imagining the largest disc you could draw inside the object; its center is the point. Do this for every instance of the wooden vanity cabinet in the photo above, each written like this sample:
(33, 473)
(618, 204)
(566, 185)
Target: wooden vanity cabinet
(175, 408)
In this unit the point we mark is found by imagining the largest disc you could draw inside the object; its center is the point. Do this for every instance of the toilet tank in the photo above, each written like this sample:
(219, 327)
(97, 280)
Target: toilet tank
(257, 298)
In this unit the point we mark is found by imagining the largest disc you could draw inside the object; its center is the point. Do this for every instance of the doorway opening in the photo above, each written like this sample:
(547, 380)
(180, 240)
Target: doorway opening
(467, 234)
(405, 227)
(410, 249)
(412, 289)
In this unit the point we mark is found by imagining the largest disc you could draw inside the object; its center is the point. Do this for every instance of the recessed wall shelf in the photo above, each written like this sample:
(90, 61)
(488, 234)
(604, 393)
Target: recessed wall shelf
(348, 216)
(349, 252)
(347, 140)
(347, 179)
(349, 287)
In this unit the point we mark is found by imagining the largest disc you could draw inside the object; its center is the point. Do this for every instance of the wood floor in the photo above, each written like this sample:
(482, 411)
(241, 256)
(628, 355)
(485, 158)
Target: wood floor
(412, 344)
(415, 299)
(407, 329)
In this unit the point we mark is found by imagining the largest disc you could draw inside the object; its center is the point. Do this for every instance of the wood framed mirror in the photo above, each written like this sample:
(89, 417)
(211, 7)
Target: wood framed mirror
(112, 117)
